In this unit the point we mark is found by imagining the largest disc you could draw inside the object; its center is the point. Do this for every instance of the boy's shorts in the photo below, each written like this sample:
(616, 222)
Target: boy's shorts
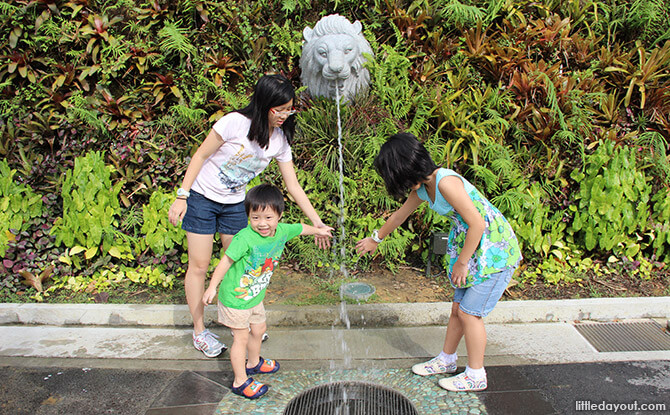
(480, 299)
(241, 319)
(207, 217)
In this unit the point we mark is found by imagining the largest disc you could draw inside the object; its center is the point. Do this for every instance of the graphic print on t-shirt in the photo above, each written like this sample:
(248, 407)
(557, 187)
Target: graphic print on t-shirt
(239, 170)
(255, 280)
(257, 276)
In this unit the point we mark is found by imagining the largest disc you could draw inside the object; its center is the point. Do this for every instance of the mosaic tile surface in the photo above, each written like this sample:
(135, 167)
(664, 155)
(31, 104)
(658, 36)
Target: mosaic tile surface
(425, 394)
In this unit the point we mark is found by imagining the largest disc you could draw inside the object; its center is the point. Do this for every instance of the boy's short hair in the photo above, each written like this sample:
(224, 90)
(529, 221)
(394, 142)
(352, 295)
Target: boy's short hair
(262, 196)
(403, 162)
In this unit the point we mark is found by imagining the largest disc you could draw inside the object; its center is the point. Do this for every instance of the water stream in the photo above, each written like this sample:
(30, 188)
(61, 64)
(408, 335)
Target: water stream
(344, 316)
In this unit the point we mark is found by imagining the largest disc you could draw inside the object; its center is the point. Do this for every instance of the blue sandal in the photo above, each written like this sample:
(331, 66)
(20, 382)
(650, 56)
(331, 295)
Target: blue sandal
(250, 389)
(263, 366)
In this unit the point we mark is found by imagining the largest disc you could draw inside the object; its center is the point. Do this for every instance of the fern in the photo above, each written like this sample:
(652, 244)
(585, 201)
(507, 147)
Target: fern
(7, 9)
(489, 180)
(390, 74)
(493, 9)
(174, 40)
(79, 110)
(657, 146)
(552, 99)
(460, 14)
(115, 52)
(510, 202)
(188, 117)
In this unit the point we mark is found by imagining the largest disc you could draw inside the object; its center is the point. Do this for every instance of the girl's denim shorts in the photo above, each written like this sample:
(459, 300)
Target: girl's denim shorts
(206, 217)
(480, 299)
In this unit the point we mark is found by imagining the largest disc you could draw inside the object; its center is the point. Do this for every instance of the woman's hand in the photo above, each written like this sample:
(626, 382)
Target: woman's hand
(177, 211)
(459, 274)
(366, 245)
(322, 240)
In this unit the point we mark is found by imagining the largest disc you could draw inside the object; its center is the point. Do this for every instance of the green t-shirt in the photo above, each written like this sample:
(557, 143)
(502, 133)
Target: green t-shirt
(254, 258)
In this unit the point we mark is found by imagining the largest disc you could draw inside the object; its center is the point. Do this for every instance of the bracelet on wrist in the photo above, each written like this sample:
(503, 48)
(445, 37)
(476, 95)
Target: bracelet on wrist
(375, 236)
(181, 198)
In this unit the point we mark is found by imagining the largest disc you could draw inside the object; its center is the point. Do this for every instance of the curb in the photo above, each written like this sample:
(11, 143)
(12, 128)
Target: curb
(359, 315)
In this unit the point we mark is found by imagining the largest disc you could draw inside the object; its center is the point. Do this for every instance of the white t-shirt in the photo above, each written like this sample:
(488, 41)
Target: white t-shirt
(224, 175)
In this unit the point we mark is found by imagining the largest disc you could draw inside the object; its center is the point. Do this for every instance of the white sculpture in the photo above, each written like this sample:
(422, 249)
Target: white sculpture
(332, 54)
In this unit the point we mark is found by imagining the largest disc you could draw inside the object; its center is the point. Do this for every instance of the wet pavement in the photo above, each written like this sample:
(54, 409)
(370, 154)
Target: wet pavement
(533, 368)
(525, 389)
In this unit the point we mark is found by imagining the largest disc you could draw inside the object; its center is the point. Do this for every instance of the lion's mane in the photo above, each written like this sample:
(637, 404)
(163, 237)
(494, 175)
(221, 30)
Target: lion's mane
(357, 77)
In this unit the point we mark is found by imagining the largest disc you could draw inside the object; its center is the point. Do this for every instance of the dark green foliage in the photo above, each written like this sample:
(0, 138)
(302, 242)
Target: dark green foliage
(524, 98)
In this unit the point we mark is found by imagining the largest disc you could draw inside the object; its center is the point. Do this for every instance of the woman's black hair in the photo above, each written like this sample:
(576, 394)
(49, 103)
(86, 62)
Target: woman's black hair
(263, 196)
(271, 91)
(403, 162)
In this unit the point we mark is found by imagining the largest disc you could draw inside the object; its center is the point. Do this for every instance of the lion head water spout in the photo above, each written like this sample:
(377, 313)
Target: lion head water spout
(332, 57)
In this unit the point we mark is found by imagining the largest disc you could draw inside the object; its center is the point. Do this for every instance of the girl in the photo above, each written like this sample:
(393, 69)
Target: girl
(211, 197)
(482, 247)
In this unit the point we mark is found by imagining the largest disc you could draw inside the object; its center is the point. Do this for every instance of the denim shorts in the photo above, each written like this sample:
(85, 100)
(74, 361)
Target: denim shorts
(206, 217)
(479, 300)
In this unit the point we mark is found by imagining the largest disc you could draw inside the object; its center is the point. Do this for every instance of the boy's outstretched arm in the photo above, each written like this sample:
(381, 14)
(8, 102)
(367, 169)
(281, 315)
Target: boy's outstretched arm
(323, 231)
(287, 171)
(396, 219)
(217, 276)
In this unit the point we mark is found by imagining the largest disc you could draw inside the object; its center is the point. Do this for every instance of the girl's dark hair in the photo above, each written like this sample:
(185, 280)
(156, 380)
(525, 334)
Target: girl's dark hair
(403, 162)
(271, 91)
(263, 196)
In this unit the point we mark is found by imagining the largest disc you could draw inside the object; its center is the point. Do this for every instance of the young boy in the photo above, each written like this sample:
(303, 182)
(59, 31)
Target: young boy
(245, 269)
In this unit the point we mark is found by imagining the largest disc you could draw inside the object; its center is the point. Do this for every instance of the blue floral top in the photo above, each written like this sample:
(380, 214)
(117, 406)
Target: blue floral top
(498, 249)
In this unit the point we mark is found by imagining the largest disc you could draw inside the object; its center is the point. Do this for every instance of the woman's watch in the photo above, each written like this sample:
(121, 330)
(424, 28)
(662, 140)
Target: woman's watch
(183, 193)
(375, 236)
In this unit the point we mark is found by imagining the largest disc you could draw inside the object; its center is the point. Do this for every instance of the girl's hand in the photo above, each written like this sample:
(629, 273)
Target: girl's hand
(177, 211)
(459, 274)
(366, 245)
(209, 296)
(322, 239)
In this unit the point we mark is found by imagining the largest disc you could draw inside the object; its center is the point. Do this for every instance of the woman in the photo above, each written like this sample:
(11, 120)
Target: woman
(211, 197)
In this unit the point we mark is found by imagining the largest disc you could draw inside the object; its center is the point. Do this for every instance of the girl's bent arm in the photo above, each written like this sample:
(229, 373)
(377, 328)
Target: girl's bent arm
(206, 149)
(396, 219)
(454, 193)
(296, 191)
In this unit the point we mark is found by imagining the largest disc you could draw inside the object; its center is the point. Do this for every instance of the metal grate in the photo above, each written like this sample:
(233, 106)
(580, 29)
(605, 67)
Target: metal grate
(350, 398)
(625, 337)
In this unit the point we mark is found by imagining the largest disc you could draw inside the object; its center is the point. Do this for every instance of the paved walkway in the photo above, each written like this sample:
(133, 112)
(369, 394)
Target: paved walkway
(140, 360)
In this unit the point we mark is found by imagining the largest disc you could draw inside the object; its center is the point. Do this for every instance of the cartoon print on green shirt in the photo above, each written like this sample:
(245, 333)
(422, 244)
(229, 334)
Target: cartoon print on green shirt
(255, 280)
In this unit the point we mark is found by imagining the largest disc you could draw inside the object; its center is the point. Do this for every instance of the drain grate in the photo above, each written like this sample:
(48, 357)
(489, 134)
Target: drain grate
(350, 398)
(625, 337)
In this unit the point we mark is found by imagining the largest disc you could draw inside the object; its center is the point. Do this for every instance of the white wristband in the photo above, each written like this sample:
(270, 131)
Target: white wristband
(183, 193)
(375, 236)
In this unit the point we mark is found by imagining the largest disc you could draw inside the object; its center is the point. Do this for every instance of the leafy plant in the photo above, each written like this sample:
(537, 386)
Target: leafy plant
(660, 225)
(158, 233)
(554, 270)
(612, 203)
(90, 208)
(18, 205)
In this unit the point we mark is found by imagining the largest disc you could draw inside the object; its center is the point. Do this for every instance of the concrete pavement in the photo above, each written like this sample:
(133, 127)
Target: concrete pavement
(150, 345)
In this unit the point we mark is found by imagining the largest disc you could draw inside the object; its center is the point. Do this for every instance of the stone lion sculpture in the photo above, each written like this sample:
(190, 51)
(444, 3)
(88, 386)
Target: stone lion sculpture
(332, 55)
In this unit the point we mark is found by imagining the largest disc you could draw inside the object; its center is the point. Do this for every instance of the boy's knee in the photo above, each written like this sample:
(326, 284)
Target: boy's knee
(241, 335)
(258, 329)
